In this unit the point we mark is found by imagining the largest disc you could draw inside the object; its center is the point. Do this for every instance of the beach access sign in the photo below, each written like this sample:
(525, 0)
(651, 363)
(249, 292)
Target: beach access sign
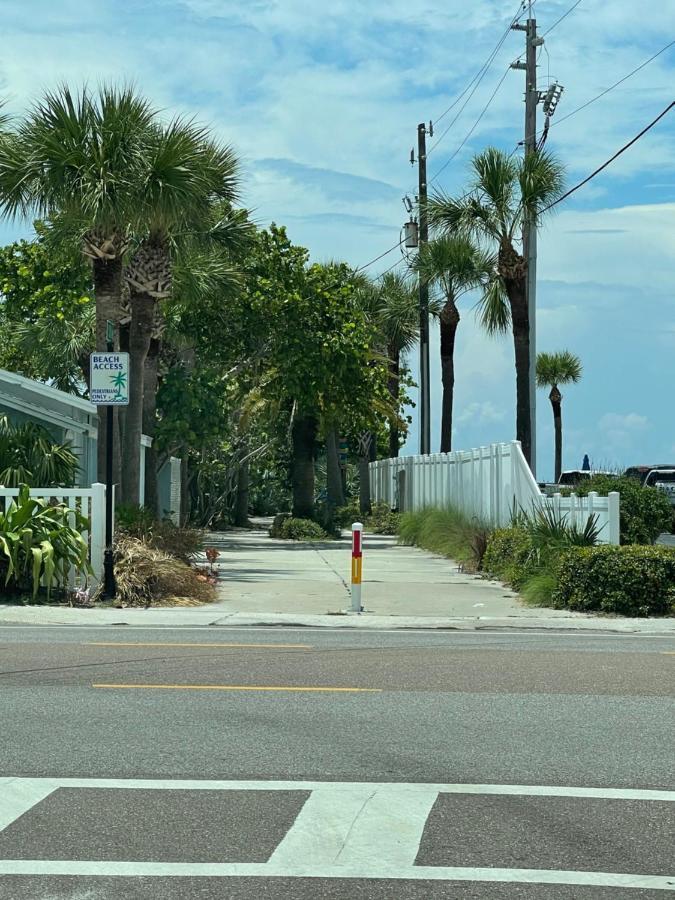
(109, 385)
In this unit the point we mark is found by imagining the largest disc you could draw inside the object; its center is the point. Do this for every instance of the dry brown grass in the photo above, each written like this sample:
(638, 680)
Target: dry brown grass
(146, 576)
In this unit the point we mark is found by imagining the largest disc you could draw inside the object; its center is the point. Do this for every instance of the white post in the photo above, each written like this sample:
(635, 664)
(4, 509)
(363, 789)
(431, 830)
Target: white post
(357, 566)
(97, 530)
(613, 500)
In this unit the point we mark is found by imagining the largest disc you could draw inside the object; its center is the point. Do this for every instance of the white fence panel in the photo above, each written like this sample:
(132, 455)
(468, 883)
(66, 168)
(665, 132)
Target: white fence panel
(90, 503)
(490, 483)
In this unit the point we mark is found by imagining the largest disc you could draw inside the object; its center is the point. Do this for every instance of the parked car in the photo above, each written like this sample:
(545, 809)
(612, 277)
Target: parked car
(661, 477)
(570, 479)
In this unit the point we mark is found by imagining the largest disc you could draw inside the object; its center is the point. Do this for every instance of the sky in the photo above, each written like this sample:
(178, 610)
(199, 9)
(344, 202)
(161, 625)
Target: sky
(321, 103)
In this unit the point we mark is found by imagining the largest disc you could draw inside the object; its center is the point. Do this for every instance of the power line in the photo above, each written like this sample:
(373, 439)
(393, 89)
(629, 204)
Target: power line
(564, 16)
(485, 66)
(611, 87)
(397, 263)
(472, 129)
(381, 256)
(612, 158)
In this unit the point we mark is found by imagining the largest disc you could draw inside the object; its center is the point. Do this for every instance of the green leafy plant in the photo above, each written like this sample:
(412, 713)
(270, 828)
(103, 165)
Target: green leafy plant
(383, 520)
(301, 530)
(509, 555)
(644, 512)
(448, 532)
(39, 544)
(29, 455)
(632, 581)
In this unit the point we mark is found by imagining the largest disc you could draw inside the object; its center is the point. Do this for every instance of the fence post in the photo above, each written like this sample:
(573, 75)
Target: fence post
(97, 529)
(613, 509)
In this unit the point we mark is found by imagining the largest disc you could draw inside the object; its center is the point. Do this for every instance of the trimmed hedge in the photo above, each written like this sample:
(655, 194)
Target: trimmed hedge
(631, 580)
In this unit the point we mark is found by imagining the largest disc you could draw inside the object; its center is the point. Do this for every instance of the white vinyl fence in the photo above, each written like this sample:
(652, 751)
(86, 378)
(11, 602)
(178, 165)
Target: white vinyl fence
(89, 502)
(488, 482)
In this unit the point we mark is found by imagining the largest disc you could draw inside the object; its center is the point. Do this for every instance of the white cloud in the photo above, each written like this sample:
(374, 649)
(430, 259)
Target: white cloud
(485, 413)
(624, 422)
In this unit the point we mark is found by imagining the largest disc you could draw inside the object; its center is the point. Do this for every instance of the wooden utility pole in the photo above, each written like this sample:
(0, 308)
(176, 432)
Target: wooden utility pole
(425, 402)
(530, 225)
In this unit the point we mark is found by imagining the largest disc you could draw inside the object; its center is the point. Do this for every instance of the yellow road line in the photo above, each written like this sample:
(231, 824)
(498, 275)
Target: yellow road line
(170, 644)
(241, 687)
(668, 652)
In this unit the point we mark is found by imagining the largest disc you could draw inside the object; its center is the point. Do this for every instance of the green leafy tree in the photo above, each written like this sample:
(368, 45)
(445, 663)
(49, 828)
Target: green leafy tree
(46, 312)
(554, 369)
(78, 159)
(505, 193)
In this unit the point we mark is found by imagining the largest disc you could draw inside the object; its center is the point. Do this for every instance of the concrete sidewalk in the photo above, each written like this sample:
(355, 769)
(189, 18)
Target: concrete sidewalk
(270, 582)
(262, 576)
(285, 583)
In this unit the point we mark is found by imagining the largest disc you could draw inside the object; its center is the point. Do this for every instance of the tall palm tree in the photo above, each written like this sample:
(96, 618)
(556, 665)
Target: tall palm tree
(76, 159)
(505, 193)
(455, 265)
(554, 369)
(186, 172)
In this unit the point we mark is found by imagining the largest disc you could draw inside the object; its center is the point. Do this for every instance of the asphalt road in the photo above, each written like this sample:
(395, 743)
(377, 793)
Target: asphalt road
(216, 762)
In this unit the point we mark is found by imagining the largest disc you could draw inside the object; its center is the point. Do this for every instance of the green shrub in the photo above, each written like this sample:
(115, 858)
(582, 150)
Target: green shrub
(645, 512)
(40, 542)
(383, 520)
(345, 516)
(447, 532)
(632, 581)
(539, 589)
(302, 530)
(29, 455)
(510, 555)
(139, 522)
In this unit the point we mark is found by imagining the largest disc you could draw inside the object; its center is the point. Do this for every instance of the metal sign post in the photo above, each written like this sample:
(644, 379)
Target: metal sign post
(109, 387)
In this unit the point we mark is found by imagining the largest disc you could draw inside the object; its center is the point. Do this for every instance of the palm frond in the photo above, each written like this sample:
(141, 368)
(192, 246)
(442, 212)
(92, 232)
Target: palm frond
(493, 310)
(558, 368)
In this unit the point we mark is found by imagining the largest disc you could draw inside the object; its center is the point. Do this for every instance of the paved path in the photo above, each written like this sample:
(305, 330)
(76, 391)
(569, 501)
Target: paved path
(262, 575)
(312, 763)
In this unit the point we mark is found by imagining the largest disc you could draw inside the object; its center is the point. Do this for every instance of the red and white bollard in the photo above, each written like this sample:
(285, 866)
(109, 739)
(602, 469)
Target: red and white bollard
(357, 566)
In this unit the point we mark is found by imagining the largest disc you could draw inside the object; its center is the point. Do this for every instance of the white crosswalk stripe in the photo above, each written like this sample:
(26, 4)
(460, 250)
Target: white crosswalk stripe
(344, 830)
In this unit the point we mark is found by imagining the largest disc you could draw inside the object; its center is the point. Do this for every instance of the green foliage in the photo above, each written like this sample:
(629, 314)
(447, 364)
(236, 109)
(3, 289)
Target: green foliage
(40, 541)
(557, 368)
(631, 581)
(29, 455)
(46, 312)
(301, 530)
(447, 532)
(550, 532)
(510, 555)
(538, 589)
(140, 523)
(645, 512)
(382, 519)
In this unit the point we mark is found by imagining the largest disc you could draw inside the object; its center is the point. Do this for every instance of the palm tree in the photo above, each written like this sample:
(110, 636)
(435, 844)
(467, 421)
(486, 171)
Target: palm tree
(506, 192)
(554, 369)
(454, 264)
(75, 159)
(186, 173)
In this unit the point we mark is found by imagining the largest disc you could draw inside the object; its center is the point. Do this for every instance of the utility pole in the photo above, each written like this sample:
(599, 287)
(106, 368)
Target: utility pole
(530, 225)
(425, 402)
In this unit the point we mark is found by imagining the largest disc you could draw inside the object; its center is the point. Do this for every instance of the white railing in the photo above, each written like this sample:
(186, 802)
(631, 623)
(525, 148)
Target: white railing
(489, 483)
(90, 503)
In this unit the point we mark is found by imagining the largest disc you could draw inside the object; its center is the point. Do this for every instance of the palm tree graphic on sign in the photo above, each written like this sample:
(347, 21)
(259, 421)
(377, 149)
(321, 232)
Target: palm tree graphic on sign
(119, 381)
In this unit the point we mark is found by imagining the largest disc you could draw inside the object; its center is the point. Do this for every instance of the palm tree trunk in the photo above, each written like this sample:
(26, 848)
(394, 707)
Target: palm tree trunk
(336, 497)
(140, 335)
(150, 386)
(449, 322)
(520, 323)
(556, 402)
(393, 385)
(303, 439)
(107, 291)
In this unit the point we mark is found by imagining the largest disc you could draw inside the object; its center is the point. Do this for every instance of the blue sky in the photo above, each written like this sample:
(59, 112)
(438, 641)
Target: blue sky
(322, 101)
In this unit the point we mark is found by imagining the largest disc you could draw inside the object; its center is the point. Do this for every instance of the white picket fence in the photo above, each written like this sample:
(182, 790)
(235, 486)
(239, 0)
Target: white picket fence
(89, 502)
(488, 482)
